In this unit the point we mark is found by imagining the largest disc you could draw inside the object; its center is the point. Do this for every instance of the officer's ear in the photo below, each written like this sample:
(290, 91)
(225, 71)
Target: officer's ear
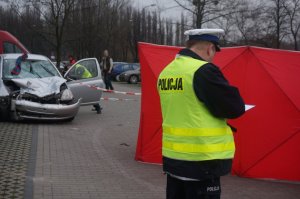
(211, 50)
(208, 50)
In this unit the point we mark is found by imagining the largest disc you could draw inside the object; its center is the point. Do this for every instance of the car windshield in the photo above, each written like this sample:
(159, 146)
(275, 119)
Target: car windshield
(29, 69)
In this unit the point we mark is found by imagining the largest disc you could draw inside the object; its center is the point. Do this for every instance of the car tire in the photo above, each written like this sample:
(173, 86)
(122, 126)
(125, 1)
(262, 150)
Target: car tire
(14, 116)
(133, 79)
(117, 78)
(4, 115)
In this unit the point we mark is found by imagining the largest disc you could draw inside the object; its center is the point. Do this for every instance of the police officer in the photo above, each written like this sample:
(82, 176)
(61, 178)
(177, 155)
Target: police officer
(81, 72)
(196, 100)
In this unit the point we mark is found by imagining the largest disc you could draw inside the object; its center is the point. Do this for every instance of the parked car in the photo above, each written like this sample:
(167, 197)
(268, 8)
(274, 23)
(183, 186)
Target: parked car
(131, 76)
(118, 63)
(39, 91)
(10, 44)
(122, 67)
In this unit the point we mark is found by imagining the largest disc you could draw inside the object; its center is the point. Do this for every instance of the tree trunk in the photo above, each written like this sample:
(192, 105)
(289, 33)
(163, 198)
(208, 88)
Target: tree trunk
(199, 12)
(58, 46)
(295, 43)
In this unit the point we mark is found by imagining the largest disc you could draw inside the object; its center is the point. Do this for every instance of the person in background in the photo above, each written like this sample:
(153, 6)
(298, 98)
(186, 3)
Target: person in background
(107, 64)
(72, 60)
(196, 100)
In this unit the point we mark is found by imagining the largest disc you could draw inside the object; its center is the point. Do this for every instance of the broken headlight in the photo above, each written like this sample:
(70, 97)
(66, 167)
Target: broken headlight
(66, 95)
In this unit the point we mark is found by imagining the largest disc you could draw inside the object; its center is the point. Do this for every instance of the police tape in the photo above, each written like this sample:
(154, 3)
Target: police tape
(116, 99)
(111, 91)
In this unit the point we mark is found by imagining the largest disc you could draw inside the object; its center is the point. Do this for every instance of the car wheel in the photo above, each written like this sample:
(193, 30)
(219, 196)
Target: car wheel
(4, 115)
(118, 78)
(133, 79)
(14, 116)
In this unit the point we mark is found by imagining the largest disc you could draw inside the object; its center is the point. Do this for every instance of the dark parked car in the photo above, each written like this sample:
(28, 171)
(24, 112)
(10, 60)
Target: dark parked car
(131, 76)
(122, 67)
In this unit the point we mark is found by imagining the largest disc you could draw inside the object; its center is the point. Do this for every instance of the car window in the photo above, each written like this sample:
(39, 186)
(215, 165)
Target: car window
(120, 67)
(8, 47)
(116, 67)
(84, 70)
(17, 49)
(29, 69)
(11, 48)
(126, 67)
(135, 67)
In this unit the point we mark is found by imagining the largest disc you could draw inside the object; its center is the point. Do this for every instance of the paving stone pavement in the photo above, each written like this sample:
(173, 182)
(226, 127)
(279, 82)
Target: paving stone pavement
(15, 159)
(93, 157)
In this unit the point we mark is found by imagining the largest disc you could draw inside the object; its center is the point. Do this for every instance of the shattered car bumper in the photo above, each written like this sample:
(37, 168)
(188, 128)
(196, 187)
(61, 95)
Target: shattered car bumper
(33, 110)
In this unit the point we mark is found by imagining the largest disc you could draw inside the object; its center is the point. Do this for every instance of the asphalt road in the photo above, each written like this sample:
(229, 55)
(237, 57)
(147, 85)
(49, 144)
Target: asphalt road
(93, 157)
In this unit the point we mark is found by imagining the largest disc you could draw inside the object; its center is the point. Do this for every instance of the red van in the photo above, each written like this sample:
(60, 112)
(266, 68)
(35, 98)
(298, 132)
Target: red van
(10, 44)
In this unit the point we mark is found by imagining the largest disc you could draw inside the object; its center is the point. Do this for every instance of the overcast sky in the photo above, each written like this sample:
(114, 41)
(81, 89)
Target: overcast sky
(169, 8)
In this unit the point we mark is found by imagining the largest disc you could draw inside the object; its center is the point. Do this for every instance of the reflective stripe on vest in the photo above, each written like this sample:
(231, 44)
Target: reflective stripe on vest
(190, 131)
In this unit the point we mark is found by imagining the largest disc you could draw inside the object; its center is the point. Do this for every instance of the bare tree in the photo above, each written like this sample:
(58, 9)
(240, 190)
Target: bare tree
(292, 8)
(162, 32)
(149, 28)
(169, 32)
(276, 15)
(182, 28)
(248, 22)
(205, 11)
(154, 28)
(135, 33)
(86, 28)
(177, 34)
(55, 14)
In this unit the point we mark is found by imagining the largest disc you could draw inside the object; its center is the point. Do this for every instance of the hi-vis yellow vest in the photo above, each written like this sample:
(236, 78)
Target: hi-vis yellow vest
(190, 131)
(86, 74)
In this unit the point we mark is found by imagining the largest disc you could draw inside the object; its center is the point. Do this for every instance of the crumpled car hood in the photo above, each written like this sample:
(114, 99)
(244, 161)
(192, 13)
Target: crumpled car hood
(40, 87)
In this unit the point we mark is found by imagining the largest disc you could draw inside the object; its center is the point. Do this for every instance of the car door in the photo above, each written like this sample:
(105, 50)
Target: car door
(80, 76)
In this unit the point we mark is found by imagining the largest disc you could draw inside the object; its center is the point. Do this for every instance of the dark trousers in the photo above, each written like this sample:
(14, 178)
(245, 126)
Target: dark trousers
(107, 81)
(97, 107)
(180, 189)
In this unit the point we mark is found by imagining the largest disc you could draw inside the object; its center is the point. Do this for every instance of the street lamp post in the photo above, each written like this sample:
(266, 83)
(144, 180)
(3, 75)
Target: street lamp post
(151, 5)
(138, 35)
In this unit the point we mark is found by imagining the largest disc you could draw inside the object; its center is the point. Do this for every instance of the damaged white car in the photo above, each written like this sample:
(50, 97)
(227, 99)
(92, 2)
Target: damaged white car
(32, 88)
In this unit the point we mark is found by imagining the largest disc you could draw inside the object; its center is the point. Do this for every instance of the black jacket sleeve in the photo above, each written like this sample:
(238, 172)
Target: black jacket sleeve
(221, 99)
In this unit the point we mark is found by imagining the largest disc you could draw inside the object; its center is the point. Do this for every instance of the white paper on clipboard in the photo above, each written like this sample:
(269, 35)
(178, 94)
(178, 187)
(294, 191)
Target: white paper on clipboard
(248, 107)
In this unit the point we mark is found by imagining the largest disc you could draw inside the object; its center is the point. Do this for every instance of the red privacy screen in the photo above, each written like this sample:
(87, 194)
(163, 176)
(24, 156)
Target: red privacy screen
(268, 137)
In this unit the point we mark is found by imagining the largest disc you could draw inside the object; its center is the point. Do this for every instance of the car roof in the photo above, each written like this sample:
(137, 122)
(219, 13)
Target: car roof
(125, 63)
(30, 56)
(132, 71)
